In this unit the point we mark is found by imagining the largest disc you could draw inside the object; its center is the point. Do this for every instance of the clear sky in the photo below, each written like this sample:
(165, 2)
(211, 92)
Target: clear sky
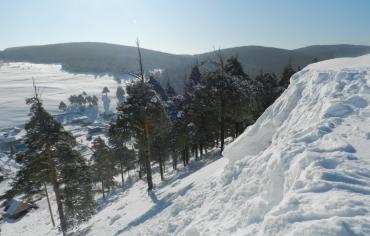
(185, 26)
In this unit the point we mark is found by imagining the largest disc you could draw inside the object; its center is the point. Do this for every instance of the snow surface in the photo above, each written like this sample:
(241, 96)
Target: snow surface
(55, 86)
(302, 169)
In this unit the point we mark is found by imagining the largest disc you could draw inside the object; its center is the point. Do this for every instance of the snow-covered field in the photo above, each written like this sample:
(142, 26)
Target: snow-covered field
(55, 86)
(302, 169)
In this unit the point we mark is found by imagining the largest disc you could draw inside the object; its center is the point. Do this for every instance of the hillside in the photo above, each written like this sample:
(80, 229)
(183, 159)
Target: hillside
(302, 169)
(88, 57)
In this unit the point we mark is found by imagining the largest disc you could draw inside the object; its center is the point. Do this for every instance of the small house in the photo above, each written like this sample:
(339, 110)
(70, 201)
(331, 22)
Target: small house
(17, 208)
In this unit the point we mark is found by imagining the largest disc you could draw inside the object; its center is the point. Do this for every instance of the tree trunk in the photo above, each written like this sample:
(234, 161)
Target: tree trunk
(174, 160)
(121, 167)
(164, 166)
(54, 181)
(161, 168)
(49, 205)
(183, 156)
(196, 152)
(147, 158)
(222, 133)
(102, 189)
(187, 154)
(140, 172)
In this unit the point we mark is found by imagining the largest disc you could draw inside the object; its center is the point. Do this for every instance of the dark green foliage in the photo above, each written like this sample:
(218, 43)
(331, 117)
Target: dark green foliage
(288, 71)
(123, 157)
(42, 131)
(75, 176)
(193, 81)
(140, 115)
(157, 87)
(170, 91)
(50, 150)
(83, 100)
(234, 68)
(105, 90)
(103, 166)
(271, 88)
(62, 106)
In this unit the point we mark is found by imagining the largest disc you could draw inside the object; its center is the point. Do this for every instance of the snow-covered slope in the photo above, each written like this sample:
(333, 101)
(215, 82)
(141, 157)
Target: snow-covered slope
(302, 169)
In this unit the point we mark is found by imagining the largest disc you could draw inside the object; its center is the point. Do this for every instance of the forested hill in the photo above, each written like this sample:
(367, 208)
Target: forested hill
(89, 57)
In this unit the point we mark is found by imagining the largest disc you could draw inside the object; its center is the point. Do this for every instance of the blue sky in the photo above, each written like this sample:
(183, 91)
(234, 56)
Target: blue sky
(186, 26)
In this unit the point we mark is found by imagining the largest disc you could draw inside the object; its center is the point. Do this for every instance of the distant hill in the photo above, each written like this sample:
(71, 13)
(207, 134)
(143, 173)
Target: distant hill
(89, 57)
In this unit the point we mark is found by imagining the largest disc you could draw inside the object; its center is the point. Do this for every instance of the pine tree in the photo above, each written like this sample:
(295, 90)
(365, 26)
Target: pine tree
(270, 88)
(118, 138)
(46, 160)
(75, 176)
(62, 106)
(193, 81)
(288, 71)
(170, 91)
(157, 87)
(43, 134)
(140, 113)
(105, 91)
(102, 166)
(234, 68)
(120, 94)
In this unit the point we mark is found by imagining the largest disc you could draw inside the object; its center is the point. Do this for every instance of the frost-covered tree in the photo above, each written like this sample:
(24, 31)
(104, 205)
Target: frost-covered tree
(106, 102)
(120, 94)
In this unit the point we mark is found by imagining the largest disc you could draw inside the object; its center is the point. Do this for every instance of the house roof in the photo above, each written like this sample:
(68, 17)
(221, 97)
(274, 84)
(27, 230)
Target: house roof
(17, 206)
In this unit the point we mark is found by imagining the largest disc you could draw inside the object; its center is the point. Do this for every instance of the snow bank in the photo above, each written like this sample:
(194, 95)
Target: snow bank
(309, 170)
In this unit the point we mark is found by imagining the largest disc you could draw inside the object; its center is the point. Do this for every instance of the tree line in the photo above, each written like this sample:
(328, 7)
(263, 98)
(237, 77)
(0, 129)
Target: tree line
(154, 125)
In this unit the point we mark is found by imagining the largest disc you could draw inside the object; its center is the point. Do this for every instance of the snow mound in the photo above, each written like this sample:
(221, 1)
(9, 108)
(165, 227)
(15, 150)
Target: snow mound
(304, 165)
(302, 169)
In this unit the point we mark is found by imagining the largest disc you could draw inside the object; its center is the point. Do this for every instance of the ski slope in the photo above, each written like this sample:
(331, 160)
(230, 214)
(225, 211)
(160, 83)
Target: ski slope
(302, 169)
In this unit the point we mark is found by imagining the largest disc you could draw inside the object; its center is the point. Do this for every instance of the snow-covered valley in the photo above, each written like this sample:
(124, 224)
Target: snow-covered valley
(302, 169)
(55, 85)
